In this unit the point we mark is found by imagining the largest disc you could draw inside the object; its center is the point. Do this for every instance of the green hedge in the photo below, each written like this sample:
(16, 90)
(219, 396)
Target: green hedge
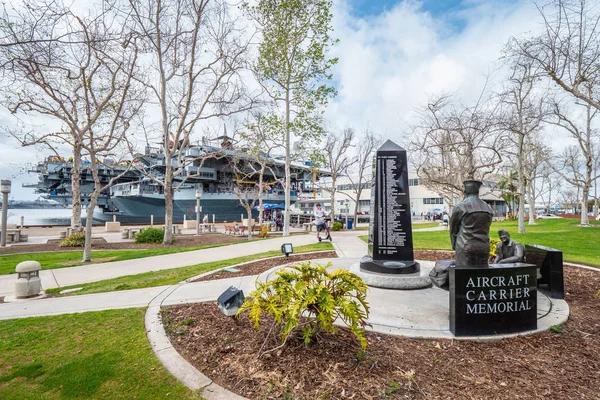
(150, 235)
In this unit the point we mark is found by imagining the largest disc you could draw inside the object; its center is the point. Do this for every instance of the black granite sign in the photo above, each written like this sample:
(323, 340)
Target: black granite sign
(390, 239)
(501, 298)
(550, 263)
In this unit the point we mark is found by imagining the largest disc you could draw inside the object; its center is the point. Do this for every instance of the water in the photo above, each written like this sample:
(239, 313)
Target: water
(42, 216)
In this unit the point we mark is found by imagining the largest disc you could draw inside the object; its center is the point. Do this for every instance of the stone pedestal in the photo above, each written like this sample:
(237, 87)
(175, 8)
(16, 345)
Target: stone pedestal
(501, 298)
(112, 227)
(28, 280)
(189, 224)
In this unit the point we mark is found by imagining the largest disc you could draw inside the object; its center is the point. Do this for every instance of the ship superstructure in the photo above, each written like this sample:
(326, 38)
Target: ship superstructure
(207, 170)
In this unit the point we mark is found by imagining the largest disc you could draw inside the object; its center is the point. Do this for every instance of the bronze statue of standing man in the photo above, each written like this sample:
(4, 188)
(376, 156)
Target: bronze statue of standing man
(470, 228)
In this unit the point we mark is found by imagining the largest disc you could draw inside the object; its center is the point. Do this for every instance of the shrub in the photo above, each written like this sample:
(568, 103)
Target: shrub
(309, 298)
(337, 226)
(150, 235)
(264, 232)
(493, 243)
(76, 239)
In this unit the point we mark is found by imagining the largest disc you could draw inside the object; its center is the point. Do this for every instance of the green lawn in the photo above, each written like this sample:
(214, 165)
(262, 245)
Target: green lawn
(173, 276)
(425, 225)
(62, 259)
(93, 355)
(578, 244)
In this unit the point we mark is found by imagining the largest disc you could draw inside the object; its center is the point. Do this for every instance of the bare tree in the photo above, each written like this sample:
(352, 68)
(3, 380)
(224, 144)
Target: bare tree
(337, 160)
(456, 143)
(196, 53)
(363, 163)
(576, 163)
(522, 115)
(41, 77)
(548, 184)
(538, 153)
(260, 143)
(568, 49)
(84, 83)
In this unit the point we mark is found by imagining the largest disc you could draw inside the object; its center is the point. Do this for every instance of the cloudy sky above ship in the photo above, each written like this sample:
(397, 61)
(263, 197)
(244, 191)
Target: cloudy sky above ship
(393, 56)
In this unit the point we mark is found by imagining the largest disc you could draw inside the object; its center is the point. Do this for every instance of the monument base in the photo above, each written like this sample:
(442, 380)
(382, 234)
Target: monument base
(498, 299)
(405, 281)
(389, 267)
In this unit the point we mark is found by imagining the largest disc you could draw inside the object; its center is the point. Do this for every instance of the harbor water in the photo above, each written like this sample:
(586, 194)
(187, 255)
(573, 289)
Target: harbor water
(41, 216)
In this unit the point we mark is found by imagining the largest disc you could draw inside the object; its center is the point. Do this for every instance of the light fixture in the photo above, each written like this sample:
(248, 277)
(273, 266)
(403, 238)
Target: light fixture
(230, 301)
(5, 186)
(287, 249)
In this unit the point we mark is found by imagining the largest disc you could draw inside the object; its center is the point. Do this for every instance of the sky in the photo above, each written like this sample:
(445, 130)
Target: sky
(393, 56)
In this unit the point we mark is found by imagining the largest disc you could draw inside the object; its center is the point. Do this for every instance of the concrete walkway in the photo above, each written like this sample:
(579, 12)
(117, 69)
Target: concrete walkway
(96, 272)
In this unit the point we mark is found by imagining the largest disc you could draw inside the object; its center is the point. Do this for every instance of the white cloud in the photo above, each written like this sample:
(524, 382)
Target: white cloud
(391, 63)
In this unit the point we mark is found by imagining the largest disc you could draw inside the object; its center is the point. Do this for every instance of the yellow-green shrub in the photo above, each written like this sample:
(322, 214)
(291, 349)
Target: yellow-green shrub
(493, 243)
(309, 298)
(76, 239)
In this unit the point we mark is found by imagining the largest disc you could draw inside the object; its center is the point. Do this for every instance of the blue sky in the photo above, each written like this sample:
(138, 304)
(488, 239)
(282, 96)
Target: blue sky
(375, 7)
(451, 12)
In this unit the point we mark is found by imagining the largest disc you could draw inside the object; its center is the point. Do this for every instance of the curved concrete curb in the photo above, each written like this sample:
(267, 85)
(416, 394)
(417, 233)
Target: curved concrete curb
(185, 372)
(557, 313)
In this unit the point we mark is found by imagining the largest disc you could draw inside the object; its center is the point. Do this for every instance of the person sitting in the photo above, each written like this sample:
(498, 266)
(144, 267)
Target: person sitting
(507, 250)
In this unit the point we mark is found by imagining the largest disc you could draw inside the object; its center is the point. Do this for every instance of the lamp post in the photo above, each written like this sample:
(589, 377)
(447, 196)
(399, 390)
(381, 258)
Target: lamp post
(5, 189)
(198, 210)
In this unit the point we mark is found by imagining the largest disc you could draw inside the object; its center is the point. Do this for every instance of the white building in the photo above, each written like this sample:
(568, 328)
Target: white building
(422, 200)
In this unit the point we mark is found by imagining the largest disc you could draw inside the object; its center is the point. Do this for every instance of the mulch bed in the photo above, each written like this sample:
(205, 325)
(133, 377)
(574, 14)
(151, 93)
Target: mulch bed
(544, 365)
(257, 267)
(101, 244)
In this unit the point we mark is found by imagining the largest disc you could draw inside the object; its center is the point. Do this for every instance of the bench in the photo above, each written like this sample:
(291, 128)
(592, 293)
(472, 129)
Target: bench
(550, 263)
(235, 229)
(129, 233)
(13, 235)
(257, 228)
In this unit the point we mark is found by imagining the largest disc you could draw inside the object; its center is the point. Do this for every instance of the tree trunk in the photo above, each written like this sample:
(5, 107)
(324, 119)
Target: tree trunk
(584, 206)
(356, 205)
(521, 167)
(249, 212)
(89, 220)
(531, 203)
(76, 188)
(168, 238)
(286, 213)
(332, 200)
(260, 196)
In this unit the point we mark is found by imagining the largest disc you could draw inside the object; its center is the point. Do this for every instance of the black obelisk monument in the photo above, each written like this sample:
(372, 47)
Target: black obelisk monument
(390, 238)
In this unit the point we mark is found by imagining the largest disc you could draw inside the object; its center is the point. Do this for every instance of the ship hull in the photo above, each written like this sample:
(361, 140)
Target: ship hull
(140, 208)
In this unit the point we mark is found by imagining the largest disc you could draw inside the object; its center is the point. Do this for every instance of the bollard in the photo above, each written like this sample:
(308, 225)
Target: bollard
(114, 217)
(22, 221)
(28, 279)
(152, 220)
(213, 219)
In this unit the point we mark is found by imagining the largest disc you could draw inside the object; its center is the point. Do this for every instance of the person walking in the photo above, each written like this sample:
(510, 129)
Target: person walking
(320, 222)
